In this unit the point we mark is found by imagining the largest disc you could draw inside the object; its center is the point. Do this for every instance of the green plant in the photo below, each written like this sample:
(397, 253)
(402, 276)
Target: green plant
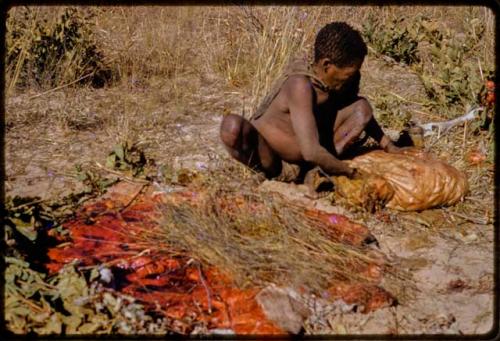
(395, 39)
(68, 303)
(26, 217)
(451, 74)
(94, 182)
(128, 157)
(388, 112)
(445, 59)
(50, 51)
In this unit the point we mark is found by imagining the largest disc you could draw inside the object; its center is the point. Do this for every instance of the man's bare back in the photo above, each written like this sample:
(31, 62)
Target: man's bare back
(276, 124)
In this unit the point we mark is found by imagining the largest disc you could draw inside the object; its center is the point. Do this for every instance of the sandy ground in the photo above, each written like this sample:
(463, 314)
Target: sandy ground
(453, 276)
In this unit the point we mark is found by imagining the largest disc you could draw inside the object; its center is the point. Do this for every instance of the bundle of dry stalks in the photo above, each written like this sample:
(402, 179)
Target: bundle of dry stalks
(259, 240)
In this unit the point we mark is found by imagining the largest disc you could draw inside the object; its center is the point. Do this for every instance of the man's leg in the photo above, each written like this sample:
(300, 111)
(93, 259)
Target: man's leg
(350, 122)
(246, 145)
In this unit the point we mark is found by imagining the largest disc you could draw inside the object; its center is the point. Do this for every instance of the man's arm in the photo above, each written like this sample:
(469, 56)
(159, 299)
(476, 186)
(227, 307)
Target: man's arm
(300, 98)
(373, 130)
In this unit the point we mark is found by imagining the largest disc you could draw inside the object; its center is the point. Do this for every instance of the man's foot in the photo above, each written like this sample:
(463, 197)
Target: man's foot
(318, 185)
(289, 172)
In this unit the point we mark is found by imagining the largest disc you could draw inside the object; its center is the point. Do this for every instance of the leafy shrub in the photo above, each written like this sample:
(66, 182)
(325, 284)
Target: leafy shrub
(450, 73)
(127, 156)
(48, 51)
(445, 60)
(393, 39)
(390, 112)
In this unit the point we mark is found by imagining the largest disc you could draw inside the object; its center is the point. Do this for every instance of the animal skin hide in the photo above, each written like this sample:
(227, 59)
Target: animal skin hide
(409, 181)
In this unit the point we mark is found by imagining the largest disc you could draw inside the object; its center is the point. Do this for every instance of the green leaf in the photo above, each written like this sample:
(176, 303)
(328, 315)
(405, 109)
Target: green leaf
(111, 160)
(119, 152)
(16, 261)
(72, 322)
(475, 21)
(94, 274)
(89, 327)
(20, 311)
(53, 325)
(81, 176)
(26, 229)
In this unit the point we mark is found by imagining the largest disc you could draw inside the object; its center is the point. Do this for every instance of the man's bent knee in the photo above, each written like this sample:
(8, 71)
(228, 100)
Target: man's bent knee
(231, 129)
(363, 111)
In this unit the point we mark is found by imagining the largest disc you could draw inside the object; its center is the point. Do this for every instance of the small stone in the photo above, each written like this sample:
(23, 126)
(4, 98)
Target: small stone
(106, 275)
(470, 238)
(280, 307)
(221, 331)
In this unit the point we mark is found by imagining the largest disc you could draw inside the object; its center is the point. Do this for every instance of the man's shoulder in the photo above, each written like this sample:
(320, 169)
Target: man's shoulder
(297, 84)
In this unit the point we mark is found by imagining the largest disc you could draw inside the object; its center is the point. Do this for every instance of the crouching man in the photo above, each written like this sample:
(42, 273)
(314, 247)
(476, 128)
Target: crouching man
(313, 115)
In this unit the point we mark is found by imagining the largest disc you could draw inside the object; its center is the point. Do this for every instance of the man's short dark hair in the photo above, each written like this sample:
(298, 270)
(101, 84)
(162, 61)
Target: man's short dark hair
(342, 44)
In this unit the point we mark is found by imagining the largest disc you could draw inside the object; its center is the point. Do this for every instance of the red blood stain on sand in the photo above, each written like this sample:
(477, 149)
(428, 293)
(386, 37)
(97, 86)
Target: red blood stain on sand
(109, 231)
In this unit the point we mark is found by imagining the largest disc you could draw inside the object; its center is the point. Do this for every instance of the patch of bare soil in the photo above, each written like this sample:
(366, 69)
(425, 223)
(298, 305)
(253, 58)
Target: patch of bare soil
(44, 142)
(379, 76)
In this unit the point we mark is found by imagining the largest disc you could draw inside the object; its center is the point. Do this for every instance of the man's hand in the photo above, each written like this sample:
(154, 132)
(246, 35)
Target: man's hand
(373, 129)
(391, 148)
(356, 174)
(388, 146)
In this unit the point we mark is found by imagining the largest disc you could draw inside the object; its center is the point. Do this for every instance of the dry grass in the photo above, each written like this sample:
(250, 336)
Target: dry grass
(262, 239)
(180, 49)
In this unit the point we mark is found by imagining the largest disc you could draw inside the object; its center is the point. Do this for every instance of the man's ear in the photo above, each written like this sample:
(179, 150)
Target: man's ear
(325, 63)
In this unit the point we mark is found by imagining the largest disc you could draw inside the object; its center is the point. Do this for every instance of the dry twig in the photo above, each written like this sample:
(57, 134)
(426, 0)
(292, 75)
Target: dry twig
(121, 176)
(444, 127)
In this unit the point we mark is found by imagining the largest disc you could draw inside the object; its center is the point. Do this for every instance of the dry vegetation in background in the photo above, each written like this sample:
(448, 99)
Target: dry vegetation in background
(179, 57)
(244, 48)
